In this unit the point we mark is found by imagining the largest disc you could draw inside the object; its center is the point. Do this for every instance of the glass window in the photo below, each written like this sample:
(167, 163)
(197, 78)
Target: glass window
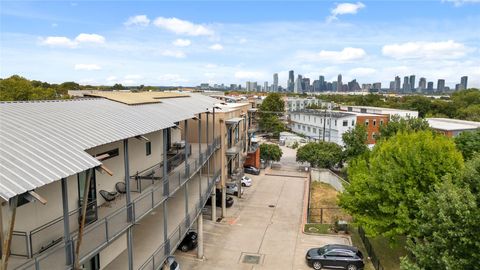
(314, 130)
(345, 123)
(148, 148)
(303, 127)
(335, 122)
(381, 122)
(353, 123)
(374, 122)
(308, 129)
(366, 122)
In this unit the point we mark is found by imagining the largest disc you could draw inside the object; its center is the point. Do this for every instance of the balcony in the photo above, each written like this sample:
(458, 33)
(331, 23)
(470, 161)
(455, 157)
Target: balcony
(46, 245)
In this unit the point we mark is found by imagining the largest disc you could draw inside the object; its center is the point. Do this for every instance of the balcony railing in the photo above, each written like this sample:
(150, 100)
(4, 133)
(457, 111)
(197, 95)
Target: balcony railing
(104, 230)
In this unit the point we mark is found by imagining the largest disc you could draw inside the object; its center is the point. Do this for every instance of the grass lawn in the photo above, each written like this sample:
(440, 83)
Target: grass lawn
(324, 196)
(389, 255)
(318, 228)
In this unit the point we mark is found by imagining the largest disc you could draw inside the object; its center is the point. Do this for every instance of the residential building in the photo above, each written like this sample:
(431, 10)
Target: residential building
(141, 166)
(452, 127)
(397, 84)
(412, 83)
(422, 84)
(298, 104)
(265, 87)
(406, 85)
(379, 110)
(430, 87)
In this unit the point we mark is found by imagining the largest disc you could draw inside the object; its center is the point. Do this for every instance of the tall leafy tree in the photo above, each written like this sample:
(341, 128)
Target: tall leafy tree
(270, 152)
(355, 142)
(320, 154)
(468, 143)
(398, 124)
(271, 108)
(448, 235)
(385, 187)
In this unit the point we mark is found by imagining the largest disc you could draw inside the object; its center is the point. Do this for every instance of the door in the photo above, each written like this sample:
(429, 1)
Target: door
(92, 214)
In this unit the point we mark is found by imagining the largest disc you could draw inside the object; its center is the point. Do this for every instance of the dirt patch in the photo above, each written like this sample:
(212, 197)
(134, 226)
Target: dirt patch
(324, 204)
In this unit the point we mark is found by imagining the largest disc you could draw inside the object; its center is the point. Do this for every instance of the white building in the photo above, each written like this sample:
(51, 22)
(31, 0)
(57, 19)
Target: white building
(297, 104)
(379, 110)
(452, 127)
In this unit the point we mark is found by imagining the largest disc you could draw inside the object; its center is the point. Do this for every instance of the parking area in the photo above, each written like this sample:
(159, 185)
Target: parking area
(262, 229)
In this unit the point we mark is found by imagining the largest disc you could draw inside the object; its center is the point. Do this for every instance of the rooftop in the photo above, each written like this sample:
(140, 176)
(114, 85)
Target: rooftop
(452, 124)
(378, 108)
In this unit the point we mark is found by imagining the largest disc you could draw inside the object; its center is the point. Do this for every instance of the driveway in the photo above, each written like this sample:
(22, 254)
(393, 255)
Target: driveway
(263, 226)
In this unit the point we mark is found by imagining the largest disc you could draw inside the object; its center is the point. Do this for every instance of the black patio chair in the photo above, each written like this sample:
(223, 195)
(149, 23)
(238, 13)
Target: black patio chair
(121, 187)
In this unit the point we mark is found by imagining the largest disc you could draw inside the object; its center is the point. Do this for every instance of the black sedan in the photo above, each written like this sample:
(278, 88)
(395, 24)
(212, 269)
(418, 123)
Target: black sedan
(335, 257)
(229, 200)
(251, 170)
(189, 242)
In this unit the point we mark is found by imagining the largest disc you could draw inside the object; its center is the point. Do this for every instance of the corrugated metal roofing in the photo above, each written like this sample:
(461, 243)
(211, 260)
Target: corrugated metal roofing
(44, 141)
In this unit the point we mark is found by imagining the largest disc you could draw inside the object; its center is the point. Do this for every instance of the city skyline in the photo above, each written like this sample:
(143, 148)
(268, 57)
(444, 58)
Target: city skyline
(171, 43)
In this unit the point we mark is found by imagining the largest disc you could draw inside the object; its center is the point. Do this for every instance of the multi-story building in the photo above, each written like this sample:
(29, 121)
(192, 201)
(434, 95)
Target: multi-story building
(422, 84)
(275, 82)
(412, 83)
(379, 110)
(112, 182)
(397, 83)
(339, 83)
(406, 85)
(298, 104)
(452, 127)
(291, 81)
(441, 85)
(430, 87)
(463, 82)
(298, 84)
(331, 125)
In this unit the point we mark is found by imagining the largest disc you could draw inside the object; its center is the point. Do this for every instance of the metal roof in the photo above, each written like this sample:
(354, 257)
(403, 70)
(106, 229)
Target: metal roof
(452, 124)
(44, 141)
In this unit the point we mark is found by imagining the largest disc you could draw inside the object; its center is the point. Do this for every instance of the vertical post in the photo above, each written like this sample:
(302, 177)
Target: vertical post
(165, 229)
(214, 207)
(7, 237)
(66, 224)
(185, 130)
(330, 126)
(81, 227)
(128, 203)
(166, 185)
(200, 236)
(200, 155)
(324, 123)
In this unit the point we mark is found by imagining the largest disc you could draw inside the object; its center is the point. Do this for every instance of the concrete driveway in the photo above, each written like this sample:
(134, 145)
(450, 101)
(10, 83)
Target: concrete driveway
(265, 223)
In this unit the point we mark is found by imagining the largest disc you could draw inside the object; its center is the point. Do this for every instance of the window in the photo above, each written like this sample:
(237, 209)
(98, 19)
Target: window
(345, 123)
(308, 129)
(374, 122)
(304, 118)
(303, 127)
(373, 135)
(353, 123)
(366, 123)
(314, 130)
(298, 126)
(381, 122)
(362, 110)
(148, 148)
(314, 119)
(335, 122)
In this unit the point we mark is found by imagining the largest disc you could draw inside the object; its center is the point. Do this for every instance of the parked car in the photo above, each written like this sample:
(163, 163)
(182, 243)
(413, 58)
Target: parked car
(246, 181)
(251, 170)
(229, 200)
(189, 242)
(335, 257)
(232, 188)
(172, 263)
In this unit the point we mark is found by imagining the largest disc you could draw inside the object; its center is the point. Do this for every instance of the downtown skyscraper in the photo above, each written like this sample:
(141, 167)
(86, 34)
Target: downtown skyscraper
(291, 81)
(339, 83)
(275, 82)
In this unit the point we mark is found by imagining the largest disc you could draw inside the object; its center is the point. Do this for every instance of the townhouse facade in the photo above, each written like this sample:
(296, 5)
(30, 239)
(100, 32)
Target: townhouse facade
(109, 182)
(299, 104)
(380, 111)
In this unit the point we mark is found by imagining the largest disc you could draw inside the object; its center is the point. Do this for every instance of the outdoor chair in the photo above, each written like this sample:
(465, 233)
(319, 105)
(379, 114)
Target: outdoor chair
(121, 187)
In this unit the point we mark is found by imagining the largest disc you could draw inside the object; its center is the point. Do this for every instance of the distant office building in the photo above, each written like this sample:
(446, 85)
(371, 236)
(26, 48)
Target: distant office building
(412, 83)
(339, 83)
(430, 86)
(406, 84)
(298, 84)
(397, 83)
(441, 85)
(265, 87)
(377, 86)
(463, 82)
(422, 84)
(458, 87)
(321, 80)
(366, 86)
(392, 86)
(275, 82)
(251, 86)
(330, 86)
(291, 81)
(306, 85)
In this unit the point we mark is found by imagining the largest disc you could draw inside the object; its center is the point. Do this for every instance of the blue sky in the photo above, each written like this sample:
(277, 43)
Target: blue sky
(187, 43)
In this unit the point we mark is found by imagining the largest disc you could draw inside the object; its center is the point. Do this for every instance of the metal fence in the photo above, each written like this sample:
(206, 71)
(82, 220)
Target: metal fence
(327, 215)
(371, 253)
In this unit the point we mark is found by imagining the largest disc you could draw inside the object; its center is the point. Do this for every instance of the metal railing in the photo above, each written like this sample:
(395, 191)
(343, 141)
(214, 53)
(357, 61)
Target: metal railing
(371, 252)
(101, 232)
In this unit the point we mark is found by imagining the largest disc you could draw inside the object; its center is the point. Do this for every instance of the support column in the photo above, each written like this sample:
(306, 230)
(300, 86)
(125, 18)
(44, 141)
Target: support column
(165, 229)
(214, 197)
(200, 236)
(200, 159)
(7, 235)
(187, 171)
(66, 224)
(214, 204)
(166, 183)
(128, 203)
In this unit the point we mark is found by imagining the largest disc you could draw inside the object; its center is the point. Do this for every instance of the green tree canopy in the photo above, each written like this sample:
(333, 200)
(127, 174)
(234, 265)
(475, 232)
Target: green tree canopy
(355, 142)
(468, 143)
(320, 154)
(448, 231)
(118, 86)
(271, 108)
(398, 124)
(385, 186)
(16, 88)
(270, 152)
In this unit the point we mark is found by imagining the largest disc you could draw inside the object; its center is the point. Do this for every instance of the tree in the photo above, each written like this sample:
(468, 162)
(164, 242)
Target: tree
(448, 234)
(385, 185)
(15, 88)
(272, 106)
(468, 143)
(270, 152)
(398, 124)
(355, 142)
(118, 86)
(320, 154)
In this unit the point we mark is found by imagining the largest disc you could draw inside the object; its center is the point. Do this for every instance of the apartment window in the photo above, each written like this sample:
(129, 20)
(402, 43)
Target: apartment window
(381, 122)
(362, 110)
(335, 122)
(298, 126)
(374, 122)
(314, 119)
(303, 127)
(353, 123)
(308, 129)
(309, 118)
(373, 135)
(321, 121)
(314, 130)
(345, 123)
(148, 148)
(366, 123)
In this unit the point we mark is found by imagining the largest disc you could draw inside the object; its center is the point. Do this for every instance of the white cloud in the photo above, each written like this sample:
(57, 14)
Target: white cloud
(90, 38)
(140, 20)
(210, 65)
(171, 79)
(249, 75)
(111, 78)
(426, 50)
(133, 77)
(346, 55)
(216, 47)
(182, 27)
(182, 42)
(57, 41)
(345, 8)
(87, 67)
(458, 3)
(176, 54)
